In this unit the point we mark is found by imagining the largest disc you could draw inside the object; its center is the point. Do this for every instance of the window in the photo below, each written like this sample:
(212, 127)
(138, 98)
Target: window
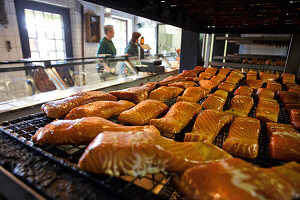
(120, 27)
(45, 34)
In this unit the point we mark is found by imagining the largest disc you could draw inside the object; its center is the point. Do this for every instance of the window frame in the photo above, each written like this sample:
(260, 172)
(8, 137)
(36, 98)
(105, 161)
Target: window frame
(21, 5)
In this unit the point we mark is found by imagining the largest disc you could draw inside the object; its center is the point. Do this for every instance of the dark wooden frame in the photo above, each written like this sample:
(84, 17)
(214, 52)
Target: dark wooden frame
(65, 12)
(92, 27)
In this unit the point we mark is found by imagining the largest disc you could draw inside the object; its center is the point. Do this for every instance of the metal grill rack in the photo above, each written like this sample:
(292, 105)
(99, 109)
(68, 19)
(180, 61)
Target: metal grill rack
(128, 187)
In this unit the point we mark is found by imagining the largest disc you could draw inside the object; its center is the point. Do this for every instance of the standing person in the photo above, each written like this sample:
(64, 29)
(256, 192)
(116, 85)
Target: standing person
(106, 46)
(132, 46)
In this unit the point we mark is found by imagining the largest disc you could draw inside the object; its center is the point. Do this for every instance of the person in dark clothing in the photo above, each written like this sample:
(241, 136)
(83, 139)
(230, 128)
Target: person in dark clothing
(132, 46)
(106, 46)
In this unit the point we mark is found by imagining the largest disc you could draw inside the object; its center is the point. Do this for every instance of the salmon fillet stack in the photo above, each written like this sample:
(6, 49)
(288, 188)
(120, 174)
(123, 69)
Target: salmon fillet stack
(193, 94)
(60, 108)
(134, 94)
(208, 125)
(137, 153)
(254, 84)
(80, 131)
(241, 105)
(179, 115)
(104, 109)
(284, 142)
(244, 91)
(229, 87)
(143, 112)
(235, 179)
(263, 93)
(165, 93)
(274, 86)
(267, 111)
(243, 137)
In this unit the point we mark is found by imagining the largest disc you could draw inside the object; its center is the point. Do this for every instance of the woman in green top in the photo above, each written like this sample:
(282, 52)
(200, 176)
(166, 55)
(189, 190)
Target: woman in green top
(106, 46)
(132, 46)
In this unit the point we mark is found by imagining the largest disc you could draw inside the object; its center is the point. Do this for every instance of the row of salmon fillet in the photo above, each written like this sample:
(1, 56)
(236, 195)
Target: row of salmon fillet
(140, 149)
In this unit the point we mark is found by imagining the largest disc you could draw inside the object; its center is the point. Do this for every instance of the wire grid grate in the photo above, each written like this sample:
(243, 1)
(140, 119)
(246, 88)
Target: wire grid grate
(25, 127)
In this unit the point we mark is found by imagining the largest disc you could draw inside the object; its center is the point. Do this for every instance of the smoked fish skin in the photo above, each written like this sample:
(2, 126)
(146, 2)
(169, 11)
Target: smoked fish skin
(80, 131)
(235, 179)
(137, 153)
(143, 112)
(60, 108)
(243, 137)
(104, 109)
(177, 117)
(207, 126)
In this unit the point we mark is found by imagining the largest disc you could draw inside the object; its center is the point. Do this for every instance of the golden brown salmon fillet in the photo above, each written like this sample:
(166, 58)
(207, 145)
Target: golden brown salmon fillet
(235, 179)
(183, 84)
(59, 108)
(242, 138)
(193, 94)
(179, 115)
(244, 91)
(208, 125)
(267, 111)
(274, 86)
(134, 94)
(214, 102)
(228, 87)
(264, 93)
(104, 109)
(138, 153)
(143, 112)
(80, 131)
(165, 93)
(241, 105)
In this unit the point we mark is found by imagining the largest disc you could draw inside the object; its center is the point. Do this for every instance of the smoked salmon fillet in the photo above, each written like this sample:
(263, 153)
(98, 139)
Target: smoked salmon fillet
(274, 86)
(218, 79)
(288, 97)
(244, 91)
(183, 84)
(80, 131)
(241, 105)
(193, 94)
(205, 76)
(288, 78)
(295, 118)
(104, 109)
(176, 78)
(208, 84)
(137, 153)
(229, 87)
(252, 75)
(134, 94)
(224, 71)
(243, 137)
(232, 79)
(235, 179)
(177, 118)
(264, 93)
(268, 77)
(221, 93)
(208, 125)
(211, 70)
(165, 93)
(143, 112)
(295, 89)
(267, 111)
(237, 74)
(59, 108)
(284, 142)
(214, 102)
(254, 84)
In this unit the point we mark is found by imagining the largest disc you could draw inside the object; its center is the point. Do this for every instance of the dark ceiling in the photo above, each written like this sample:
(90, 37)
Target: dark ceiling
(217, 16)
